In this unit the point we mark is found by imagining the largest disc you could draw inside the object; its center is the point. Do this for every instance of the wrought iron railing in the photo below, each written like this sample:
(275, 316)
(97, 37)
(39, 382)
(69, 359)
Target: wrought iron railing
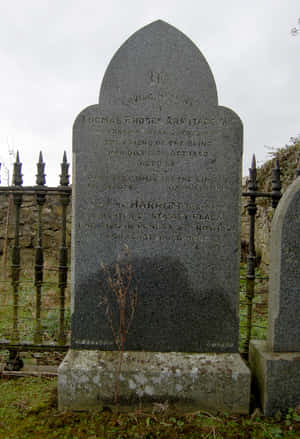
(13, 341)
(252, 194)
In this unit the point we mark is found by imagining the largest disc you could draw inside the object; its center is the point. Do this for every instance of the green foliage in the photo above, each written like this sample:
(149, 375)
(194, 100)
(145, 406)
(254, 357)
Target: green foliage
(288, 161)
(50, 325)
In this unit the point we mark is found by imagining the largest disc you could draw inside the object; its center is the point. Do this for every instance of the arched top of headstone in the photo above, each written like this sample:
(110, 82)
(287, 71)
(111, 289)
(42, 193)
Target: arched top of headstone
(158, 67)
(286, 207)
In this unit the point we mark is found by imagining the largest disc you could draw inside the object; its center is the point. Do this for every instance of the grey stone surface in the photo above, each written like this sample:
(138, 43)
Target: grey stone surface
(177, 381)
(276, 376)
(157, 166)
(284, 290)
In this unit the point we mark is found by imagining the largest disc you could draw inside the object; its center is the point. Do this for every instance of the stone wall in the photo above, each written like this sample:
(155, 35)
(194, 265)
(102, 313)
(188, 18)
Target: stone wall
(28, 225)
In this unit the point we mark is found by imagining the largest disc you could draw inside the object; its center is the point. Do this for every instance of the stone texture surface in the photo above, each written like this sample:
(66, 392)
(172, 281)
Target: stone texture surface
(157, 166)
(180, 381)
(51, 217)
(284, 289)
(276, 376)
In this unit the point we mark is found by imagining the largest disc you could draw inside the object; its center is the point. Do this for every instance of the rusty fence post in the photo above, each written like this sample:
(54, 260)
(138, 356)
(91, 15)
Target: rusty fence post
(14, 362)
(252, 193)
(15, 266)
(251, 258)
(63, 252)
(39, 254)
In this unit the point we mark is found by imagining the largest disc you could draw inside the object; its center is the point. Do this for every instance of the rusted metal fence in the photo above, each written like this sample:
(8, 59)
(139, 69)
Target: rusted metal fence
(12, 340)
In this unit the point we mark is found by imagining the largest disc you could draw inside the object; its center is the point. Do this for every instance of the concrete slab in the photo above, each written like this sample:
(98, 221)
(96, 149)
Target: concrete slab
(276, 376)
(182, 381)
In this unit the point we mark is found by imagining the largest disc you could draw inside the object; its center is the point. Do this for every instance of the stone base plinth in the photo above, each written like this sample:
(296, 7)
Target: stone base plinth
(179, 381)
(276, 376)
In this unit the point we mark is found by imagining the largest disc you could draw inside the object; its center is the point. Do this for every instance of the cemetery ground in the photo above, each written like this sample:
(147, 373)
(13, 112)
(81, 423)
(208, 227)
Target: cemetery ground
(28, 410)
(28, 405)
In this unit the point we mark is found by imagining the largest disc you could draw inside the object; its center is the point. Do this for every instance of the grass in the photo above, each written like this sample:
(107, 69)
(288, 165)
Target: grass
(260, 308)
(27, 305)
(28, 410)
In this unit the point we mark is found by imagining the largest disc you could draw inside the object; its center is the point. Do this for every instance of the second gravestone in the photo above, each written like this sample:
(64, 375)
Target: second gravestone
(276, 362)
(157, 169)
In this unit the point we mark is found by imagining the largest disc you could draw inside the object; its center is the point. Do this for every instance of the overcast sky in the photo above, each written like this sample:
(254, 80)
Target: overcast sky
(54, 53)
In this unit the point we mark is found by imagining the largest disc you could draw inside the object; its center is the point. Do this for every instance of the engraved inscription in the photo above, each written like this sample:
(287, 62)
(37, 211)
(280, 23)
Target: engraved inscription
(160, 150)
(209, 120)
(158, 77)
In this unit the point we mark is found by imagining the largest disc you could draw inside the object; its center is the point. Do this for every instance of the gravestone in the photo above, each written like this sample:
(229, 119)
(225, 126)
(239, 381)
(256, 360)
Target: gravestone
(284, 301)
(276, 363)
(157, 168)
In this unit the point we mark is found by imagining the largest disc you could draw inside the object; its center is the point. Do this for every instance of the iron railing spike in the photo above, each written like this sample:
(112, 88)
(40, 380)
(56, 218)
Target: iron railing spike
(253, 164)
(252, 176)
(41, 176)
(64, 176)
(17, 179)
(276, 183)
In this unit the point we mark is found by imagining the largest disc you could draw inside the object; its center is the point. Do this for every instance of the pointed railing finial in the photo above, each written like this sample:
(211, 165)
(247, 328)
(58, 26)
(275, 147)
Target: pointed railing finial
(253, 164)
(276, 183)
(40, 176)
(64, 176)
(252, 186)
(17, 179)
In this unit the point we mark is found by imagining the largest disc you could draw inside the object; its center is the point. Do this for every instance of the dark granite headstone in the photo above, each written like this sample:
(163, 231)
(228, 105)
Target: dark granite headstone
(157, 167)
(284, 292)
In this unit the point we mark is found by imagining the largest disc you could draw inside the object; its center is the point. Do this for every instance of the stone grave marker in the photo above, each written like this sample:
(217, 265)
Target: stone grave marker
(276, 362)
(284, 300)
(157, 167)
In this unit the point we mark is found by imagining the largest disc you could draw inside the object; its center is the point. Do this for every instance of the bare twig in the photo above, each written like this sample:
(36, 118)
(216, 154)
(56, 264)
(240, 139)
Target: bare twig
(119, 280)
